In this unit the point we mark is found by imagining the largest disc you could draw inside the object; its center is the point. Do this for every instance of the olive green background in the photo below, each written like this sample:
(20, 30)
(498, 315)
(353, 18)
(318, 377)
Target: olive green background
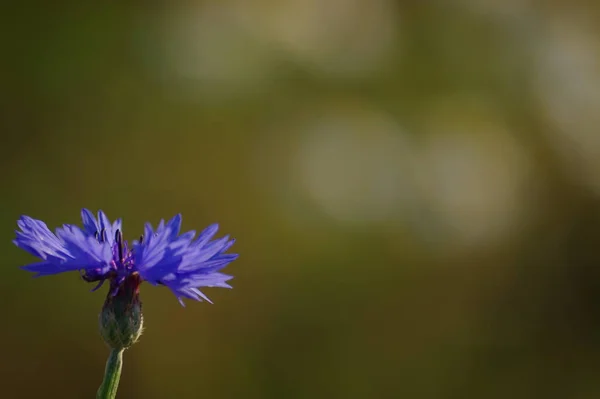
(336, 295)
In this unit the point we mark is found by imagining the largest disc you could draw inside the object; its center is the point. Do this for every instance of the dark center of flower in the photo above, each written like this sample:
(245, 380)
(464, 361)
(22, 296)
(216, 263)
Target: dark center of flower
(121, 265)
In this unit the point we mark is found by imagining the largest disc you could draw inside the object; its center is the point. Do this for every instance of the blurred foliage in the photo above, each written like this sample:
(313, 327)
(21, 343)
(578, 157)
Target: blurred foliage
(104, 107)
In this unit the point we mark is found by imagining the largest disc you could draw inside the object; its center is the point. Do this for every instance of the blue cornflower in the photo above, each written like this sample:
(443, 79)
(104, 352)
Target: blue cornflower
(100, 253)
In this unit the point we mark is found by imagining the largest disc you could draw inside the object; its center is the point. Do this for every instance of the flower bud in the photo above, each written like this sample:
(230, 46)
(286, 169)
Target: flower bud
(121, 319)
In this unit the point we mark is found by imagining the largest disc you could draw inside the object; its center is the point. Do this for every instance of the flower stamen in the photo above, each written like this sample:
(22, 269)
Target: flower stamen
(119, 241)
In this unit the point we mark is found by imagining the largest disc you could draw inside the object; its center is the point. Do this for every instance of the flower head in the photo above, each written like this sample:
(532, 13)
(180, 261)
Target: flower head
(99, 252)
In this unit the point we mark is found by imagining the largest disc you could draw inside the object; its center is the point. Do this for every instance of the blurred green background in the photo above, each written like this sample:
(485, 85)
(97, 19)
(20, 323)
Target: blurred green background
(414, 187)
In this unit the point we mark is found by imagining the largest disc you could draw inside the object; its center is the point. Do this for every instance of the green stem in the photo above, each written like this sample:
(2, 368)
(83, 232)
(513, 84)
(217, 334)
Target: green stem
(112, 374)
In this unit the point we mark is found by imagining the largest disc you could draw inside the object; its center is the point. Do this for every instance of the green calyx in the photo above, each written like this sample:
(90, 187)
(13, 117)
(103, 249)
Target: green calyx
(121, 319)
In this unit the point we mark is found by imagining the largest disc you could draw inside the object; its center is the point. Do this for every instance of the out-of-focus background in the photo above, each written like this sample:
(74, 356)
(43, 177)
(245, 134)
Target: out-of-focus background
(414, 187)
